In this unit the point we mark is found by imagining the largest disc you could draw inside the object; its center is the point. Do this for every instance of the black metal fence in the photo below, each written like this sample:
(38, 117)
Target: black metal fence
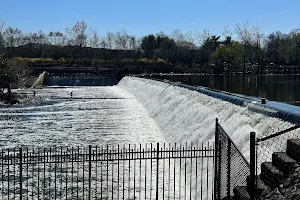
(131, 172)
(231, 168)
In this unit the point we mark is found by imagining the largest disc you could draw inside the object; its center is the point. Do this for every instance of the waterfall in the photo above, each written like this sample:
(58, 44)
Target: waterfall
(184, 115)
(39, 81)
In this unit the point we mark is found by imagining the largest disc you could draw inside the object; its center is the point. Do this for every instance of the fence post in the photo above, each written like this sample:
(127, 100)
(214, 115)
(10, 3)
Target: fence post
(252, 166)
(20, 173)
(228, 167)
(216, 184)
(90, 170)
(157, 168)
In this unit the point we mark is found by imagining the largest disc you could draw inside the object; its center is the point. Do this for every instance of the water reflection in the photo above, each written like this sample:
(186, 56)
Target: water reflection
(277, 88)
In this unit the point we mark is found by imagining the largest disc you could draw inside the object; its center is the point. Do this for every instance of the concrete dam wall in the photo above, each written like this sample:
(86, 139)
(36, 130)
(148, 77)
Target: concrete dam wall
(82, 80)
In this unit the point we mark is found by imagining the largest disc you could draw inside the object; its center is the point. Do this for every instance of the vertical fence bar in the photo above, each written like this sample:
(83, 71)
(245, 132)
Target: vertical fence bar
(77, 179)
(27, 169)
(169, 169)
(191, 172)
(164, 156)
(66, 165)
(217, 176)
(180, 171)
(101, 172)
(228, 167)
(151, 172)
(72, 172)
(49, 170)
(44, 178)
(213, 180)
(145, 170)
(20, 152)
(252, 166)
(219, 157)
(129, 172)
(32, 167)
(134, 168)
(38, 171)
(107, 174)
(196, 156)
(174, 168)
(61, 172)
(157, 168)
(14, 157)
(140, 181)
(123, 183)
(2, 175)
(8, 193)
(96, 166)
(90, 171)
(207, 166)
(55, 157)
(201, 177)
(112, 172)
(83, 159)
(118, 171)
(184, 153)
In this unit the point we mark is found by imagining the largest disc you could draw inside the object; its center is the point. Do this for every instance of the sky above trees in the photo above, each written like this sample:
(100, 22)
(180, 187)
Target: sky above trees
(144, 17)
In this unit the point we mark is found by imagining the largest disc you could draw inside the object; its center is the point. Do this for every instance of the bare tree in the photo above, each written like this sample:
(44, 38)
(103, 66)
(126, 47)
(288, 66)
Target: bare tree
(121, 39)
(246, 35)
(190, 37)
(2, 42)
(110, 39)
(227, 33)
(258, 36)
(12, 36)
(178, 37)
(77, 34)
(201, 37)
(1, 25)
(56, 38)
(132, 42)
(103, 43)
(95, 40)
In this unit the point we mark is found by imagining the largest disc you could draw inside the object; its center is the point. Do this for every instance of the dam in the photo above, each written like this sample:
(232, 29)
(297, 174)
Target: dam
(135, 111)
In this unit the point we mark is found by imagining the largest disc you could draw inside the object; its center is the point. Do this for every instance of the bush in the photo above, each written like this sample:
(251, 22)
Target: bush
(161, 61)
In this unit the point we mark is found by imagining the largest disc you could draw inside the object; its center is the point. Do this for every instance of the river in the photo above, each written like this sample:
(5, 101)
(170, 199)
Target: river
(283, 88)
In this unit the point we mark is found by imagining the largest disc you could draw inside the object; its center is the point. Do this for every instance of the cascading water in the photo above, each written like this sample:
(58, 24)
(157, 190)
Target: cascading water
(137, 110)
(188, 116)
(185, 115)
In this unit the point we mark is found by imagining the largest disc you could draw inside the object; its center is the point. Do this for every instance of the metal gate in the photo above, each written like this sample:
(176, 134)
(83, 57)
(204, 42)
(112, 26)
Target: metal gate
(153, 171)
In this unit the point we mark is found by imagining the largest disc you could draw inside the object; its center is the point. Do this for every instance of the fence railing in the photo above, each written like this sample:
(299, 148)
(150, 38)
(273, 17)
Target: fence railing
(231, 168)
(272, 148)
(131, 172)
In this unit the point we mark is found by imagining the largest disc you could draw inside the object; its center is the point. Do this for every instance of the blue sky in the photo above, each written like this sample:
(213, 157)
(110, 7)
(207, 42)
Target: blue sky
(140, 17)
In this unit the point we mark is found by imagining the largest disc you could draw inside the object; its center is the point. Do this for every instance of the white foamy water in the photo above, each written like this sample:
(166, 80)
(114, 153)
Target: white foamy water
(107, 115)
(189, 116)
(135, 111)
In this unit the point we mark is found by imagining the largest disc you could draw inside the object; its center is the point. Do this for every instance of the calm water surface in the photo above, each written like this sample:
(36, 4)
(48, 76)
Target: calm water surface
(283, 88)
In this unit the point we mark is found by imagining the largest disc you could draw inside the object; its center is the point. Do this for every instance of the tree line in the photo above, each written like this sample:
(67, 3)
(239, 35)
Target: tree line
(245, 49)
